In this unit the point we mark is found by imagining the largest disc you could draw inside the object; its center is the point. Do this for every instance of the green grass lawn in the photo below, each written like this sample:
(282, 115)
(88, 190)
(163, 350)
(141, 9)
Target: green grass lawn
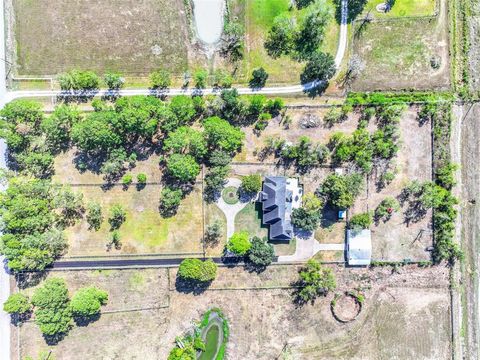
(259, 16)
(403, 8)
(145, 230)
(250, 219)
(397, 55)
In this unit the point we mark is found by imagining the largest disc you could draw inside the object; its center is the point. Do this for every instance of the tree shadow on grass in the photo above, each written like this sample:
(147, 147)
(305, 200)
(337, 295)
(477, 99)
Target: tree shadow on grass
(190, 286)
(86, 320)
(355, 8)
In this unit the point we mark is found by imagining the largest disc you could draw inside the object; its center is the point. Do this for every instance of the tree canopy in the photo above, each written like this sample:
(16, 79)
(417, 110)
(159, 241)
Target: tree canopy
(221, 135)
(86, 302)
(197, 270)
(315, 280)
(52, 311)
(239, 243)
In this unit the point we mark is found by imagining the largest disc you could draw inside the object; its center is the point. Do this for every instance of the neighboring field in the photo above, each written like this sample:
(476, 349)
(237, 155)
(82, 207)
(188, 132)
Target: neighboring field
(405, 314)
(398, 52)
(145, 230)
(402, 8)
(259, 16)
(133, 37)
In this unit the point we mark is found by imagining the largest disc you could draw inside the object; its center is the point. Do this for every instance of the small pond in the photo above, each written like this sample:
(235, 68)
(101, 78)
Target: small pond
(211, 343)
(208, 16)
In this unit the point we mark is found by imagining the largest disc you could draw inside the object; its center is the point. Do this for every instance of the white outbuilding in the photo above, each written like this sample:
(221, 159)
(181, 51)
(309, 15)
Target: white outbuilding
(359, 247)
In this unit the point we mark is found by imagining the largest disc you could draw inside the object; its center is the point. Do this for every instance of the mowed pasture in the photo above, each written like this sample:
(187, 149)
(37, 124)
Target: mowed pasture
(134, 37)
(398, 53)
(406, 315)
(258, 18)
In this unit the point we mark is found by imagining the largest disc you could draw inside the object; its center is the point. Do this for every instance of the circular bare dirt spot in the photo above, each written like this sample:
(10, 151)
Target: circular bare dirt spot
(345, 307)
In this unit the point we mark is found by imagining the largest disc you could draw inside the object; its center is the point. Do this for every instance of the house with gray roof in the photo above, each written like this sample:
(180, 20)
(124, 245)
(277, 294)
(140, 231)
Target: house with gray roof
(277, 197)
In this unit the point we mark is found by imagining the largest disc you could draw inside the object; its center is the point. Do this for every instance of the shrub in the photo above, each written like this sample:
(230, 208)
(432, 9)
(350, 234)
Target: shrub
(239, 243)
(315, 280)
(117, 216)
(94, 215)
(87, 301)
(17, 304)
(79, 80)
(259, 78)
(170, 199)
(261, 253)
(361, 221)
(200, 78)
(160, 79)
(197, 270)
(142, 178)
(127, 179)
(386, 208)
(113, 81)
(252, 183)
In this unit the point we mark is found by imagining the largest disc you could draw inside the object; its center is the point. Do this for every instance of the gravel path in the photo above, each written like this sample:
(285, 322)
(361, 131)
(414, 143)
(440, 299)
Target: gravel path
(231, 211)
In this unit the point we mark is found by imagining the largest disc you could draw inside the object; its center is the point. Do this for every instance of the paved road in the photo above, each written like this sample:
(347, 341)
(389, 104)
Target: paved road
(280, 90)
(126, 263)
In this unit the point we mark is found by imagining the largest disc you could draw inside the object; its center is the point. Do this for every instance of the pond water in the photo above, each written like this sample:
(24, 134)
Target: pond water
(208, 16)
(211, 343)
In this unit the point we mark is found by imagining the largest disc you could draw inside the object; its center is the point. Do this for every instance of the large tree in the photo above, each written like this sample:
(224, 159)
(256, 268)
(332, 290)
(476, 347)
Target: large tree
(320, 67)
(86, 302)
(312, 30)
(186, 140)
(197, 270)
(341, 190)
(261, 253)
(280, 39)
(315, 280)
(95, 134)
(221, 135)
(52, 311)
(57, 126)
(183, 167)
(17, 304)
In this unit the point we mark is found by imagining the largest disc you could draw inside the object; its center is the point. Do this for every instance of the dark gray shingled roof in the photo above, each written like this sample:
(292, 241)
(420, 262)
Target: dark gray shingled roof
(277, 207)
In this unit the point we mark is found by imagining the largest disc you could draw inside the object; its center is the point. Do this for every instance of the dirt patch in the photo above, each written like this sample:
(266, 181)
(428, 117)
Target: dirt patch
(345, 308)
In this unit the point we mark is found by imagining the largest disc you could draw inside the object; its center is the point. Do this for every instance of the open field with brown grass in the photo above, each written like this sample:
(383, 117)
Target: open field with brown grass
(397, 52)
(133, 37)
(406, 314)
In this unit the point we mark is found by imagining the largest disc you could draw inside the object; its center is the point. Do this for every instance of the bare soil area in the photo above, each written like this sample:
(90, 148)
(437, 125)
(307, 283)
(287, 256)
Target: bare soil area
(406, 314)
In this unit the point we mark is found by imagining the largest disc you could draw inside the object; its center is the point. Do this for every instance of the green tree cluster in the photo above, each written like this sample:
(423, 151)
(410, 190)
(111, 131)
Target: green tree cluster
(34, 214)
(239, 244)
(314, 281)
(79, 80)
(308, 216)
(197, 270)
(17, 304)
(341, 191)
(305, 153)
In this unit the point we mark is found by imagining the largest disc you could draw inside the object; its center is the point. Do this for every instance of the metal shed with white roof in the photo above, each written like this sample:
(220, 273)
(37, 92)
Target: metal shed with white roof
(359, 247)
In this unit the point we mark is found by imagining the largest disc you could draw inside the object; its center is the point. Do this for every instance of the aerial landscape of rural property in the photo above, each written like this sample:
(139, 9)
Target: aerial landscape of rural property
(239, 179)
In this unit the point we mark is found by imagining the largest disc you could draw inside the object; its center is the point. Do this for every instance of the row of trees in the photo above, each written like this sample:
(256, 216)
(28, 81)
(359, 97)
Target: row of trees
(53, 309)
(88, 80)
